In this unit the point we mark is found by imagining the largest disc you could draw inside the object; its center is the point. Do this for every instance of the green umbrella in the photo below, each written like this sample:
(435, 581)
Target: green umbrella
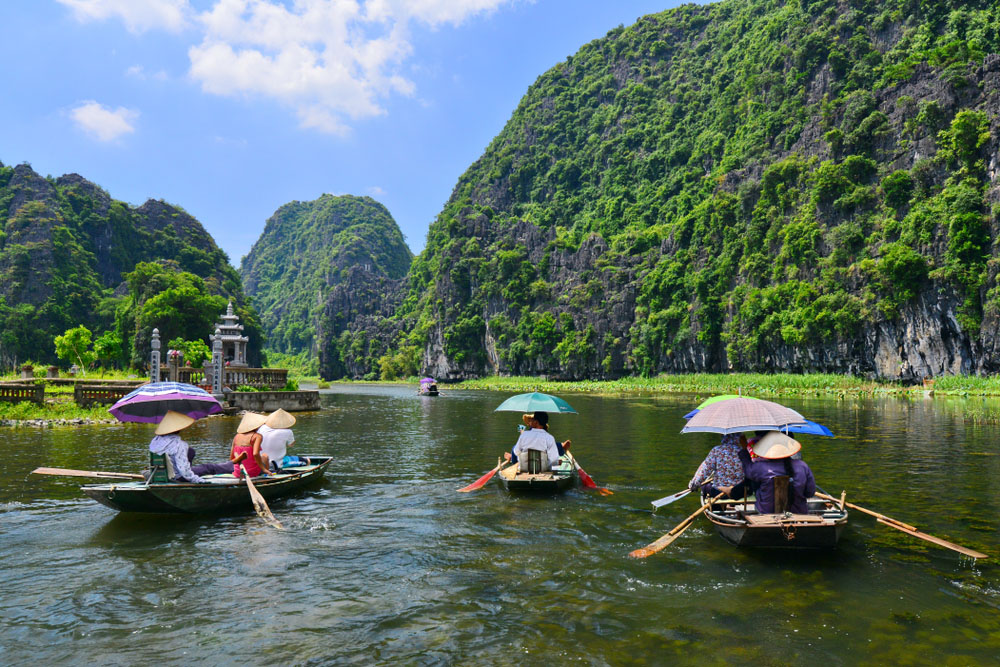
(535, 402)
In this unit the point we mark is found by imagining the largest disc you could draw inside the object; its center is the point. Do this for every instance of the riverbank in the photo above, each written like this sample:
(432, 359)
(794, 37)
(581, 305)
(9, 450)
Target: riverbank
(750, 384)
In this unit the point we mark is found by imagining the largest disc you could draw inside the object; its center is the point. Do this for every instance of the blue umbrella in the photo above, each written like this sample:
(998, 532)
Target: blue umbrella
(535, 402)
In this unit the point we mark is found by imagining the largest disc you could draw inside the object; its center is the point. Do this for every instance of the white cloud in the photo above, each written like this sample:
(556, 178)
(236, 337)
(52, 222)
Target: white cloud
(103, 123)
(376, 191)
(330, 61)
(139, 72)
(137, 15)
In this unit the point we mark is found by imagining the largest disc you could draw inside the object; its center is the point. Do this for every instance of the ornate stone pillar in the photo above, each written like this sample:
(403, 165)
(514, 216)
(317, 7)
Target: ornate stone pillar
(217, 362)
(154, 357)
(174, 358)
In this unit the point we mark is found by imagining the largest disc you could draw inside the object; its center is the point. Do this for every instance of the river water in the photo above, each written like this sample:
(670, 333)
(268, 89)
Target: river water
(383, 562)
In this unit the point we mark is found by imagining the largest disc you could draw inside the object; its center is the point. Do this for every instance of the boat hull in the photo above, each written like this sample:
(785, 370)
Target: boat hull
(819, 529)
(187, 498)
(560, 478)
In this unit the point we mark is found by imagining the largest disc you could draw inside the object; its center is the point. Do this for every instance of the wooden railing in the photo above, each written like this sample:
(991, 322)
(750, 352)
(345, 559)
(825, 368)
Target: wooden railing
(16, 393)
(86, 395)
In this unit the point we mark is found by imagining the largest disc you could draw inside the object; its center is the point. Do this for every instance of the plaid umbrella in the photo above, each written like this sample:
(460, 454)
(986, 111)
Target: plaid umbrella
(150, 402)
(738, 415)
(809, 427)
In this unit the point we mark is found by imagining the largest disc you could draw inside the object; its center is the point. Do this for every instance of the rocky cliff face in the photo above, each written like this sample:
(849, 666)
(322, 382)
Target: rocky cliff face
(65, 245)
(307, 252)
(753, 186)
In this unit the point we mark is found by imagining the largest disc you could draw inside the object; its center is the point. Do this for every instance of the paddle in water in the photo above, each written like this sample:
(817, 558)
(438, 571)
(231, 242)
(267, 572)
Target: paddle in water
(481, 482)
(586, 480)
(667, 539)
(907, 528)
(259, 504)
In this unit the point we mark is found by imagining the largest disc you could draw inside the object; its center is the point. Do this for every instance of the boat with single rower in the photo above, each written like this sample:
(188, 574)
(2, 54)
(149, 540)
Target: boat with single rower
(559, 478)
(220, 493)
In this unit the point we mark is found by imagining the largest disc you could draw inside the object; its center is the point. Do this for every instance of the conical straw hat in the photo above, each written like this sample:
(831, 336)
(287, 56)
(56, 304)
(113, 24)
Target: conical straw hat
(776, 445)
(173, 422)
(251, 422)
(280, 419)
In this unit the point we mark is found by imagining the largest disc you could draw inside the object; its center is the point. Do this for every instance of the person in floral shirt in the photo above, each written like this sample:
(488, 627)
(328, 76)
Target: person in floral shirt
(724, 464)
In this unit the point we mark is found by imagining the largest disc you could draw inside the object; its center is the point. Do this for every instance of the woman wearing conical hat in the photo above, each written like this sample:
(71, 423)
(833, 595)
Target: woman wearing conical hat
(773, 454)
(247, 442)
(277, 438)
(169, 443)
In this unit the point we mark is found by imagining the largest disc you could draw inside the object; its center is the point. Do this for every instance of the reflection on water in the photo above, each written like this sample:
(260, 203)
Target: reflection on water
(384, 561)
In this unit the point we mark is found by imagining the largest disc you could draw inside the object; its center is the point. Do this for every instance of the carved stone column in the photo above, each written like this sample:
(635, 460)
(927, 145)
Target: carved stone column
(154, 357)
(217, 362)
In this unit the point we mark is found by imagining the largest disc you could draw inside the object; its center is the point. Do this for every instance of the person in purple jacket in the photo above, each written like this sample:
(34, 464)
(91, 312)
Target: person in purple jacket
(773, 454)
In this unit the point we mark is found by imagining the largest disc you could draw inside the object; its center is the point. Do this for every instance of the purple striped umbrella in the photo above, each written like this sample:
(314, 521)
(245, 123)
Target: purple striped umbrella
(738, 415)
(150, 402)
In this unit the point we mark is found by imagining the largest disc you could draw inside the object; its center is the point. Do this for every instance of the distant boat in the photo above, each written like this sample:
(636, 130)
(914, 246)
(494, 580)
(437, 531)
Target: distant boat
(559, 478)
(428, 387)
(222, 492)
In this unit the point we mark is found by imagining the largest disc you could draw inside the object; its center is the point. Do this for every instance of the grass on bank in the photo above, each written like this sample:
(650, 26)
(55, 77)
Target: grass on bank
(751, 384)
(52, 411)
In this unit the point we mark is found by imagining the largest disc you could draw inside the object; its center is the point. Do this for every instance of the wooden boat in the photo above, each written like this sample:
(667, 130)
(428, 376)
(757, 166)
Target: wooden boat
(222, 493)
(559, 478)
(739, 523)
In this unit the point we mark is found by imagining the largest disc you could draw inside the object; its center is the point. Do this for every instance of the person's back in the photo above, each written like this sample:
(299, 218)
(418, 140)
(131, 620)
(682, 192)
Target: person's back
(275, 442)
(801, 484)
(774, 452)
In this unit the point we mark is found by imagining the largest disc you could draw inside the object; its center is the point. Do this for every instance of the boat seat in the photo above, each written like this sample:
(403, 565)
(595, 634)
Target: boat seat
(162, 467)
(533, 461)
(775, 519)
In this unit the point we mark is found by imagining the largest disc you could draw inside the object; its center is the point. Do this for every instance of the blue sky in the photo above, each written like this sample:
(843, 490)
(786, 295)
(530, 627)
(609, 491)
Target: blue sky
(231, 108)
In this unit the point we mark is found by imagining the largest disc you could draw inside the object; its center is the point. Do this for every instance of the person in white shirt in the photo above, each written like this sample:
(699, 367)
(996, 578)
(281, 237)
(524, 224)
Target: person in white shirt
(278, 437)
(535, 437)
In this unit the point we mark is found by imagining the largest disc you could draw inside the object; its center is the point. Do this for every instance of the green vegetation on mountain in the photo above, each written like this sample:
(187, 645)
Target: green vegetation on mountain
(747, 185)
(72, 256)
(307, 249)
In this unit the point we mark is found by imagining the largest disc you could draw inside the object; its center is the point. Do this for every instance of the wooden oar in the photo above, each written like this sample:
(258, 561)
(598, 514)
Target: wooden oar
(908, 529)
(259, 504)
(664, 541)
(66, 472)
(587, 480)
(481, 482)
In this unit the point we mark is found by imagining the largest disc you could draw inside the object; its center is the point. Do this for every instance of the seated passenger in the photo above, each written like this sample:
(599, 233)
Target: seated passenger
(277, 436)
(167, 442)
(542, 418)
(248, 441)
(774, 459)
(725, 465)
(535, 437)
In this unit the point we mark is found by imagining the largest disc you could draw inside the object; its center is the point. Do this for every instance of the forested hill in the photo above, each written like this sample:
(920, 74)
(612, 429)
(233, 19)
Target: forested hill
(306, 250)
(747, 185)
(66, 248)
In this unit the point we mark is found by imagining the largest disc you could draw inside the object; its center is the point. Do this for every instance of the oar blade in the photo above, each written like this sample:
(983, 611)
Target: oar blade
(671, 498)
(259, 504)
(662, 543)
(479, 483)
